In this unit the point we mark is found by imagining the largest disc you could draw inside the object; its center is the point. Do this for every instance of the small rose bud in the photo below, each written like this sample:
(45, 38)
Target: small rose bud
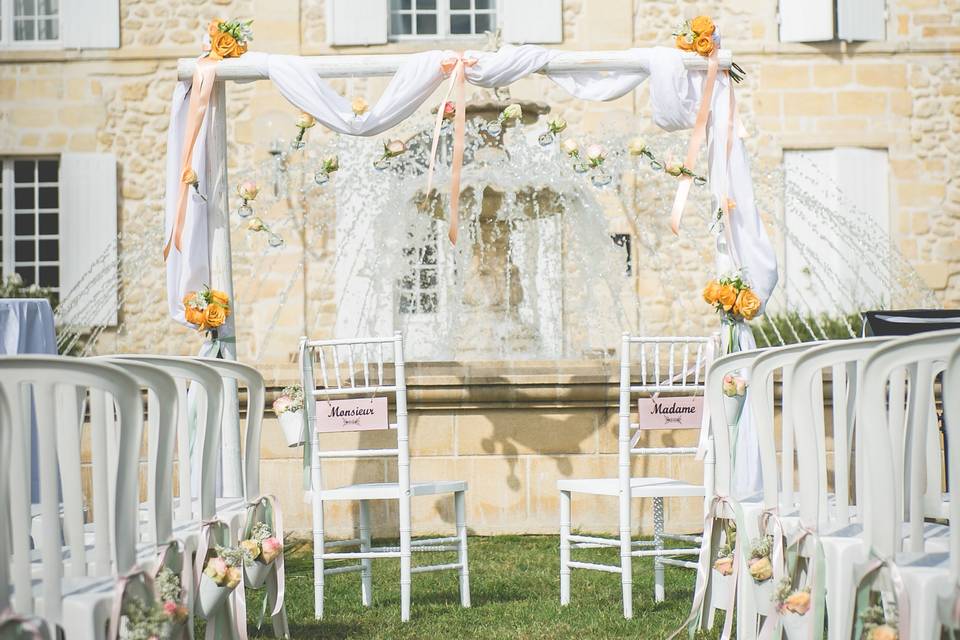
(248, 190)
(596, 153)
(556, 125)
(256, 224)
(331, 164)
(570, 147)
(189, 177)
(449, 110)
(394, 148)
(637, 146)
(513, 112)
(359, 106)
(305, 120)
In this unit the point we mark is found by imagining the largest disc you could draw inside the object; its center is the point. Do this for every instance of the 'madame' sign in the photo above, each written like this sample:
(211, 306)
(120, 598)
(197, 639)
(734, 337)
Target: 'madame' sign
(676, 412)
(360, 414)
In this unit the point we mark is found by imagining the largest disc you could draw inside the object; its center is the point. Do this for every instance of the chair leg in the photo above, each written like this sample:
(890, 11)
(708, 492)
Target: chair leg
(460, 506)
(366, 573)
(626, 566)
(318, 551)
(564, 548)
(658, 592)
(405, 564)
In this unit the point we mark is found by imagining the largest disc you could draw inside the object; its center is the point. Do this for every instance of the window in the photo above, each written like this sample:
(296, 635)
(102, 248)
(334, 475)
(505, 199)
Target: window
(29, 22)
(30, 221)
(837, 224)
(419, 286)
(441, 18)
(813, 20)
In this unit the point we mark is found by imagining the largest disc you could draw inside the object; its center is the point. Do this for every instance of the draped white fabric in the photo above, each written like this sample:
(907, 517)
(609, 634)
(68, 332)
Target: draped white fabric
(675, 96)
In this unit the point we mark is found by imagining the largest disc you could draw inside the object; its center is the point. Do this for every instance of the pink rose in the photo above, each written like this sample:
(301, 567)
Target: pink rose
(282, 404)
(170, 608)
(449, 110)
(271, 548)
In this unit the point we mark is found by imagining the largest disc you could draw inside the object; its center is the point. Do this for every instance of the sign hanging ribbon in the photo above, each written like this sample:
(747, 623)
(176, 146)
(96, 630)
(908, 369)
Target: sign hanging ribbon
(455, 67)
(200, 92)
(696, 140)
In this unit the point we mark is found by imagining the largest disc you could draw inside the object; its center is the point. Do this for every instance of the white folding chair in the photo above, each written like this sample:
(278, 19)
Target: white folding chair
(75, 596)
(949, 602)
(357, 368)
(666, 365)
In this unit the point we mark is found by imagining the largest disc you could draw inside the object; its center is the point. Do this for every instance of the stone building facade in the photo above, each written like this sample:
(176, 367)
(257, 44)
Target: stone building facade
(899, 93)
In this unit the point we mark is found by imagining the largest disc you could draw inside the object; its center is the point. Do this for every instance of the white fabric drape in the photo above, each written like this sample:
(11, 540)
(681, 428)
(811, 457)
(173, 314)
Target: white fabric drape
(675, 96)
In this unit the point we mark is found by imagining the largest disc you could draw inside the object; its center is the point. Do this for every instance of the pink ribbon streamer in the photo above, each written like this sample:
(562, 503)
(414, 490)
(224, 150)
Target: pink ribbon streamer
(35, 627)
(455, 67)
(696, 140)
(202, 89)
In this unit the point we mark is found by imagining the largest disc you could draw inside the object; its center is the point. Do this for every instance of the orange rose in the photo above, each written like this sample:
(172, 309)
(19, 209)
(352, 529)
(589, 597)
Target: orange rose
(223, 45)
(214, 27)
(187, 298)
(703, 26)
(221, 299)
(727, 296)
(683, 44)
(703, 45)
(214, 315)
(747, 304)
(711, 292)
(195, 316)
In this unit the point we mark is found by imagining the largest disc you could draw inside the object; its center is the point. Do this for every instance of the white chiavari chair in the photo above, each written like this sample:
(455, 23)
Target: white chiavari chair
(666, 366)
(74, 596)
(359, 368)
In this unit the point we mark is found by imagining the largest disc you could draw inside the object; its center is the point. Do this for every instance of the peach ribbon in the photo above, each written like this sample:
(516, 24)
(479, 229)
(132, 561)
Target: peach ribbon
(455, 67)
(202, 88)
(696, 139)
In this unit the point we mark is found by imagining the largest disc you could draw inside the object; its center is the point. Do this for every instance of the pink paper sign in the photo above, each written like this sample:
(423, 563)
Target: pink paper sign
(354, 414)
(674, 412)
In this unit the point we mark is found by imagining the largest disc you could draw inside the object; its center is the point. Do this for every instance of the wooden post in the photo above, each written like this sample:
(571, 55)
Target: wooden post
(221, 277)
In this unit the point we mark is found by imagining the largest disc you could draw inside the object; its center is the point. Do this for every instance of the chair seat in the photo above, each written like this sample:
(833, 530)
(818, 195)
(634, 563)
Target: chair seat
(391, 490)
(639, 487)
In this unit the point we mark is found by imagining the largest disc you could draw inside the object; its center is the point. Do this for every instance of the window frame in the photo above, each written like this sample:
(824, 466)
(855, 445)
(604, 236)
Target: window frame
(7, 41)
(443, 13)
(415, 268)
(8, 213)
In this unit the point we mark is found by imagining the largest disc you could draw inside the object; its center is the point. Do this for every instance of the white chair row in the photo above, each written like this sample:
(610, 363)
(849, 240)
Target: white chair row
(860, 506)
(66, 557)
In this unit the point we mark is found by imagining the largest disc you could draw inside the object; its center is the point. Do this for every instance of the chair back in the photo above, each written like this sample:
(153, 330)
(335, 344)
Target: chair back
(845, 360)
(923, 356)
(738, 363)
(355, 368)
(198, 452)
(778, 492)
(951, 418)
(47, 390)
(250, 378)
(666, 365)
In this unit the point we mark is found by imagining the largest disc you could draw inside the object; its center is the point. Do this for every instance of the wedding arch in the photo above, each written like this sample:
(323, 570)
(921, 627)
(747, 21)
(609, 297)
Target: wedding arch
(688, 91)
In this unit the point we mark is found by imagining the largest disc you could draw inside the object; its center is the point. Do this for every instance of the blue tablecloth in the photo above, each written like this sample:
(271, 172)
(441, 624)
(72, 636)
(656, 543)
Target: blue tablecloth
(26, 326)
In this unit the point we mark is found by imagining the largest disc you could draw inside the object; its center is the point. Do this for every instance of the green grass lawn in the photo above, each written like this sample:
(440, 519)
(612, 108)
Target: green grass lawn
(515, 592)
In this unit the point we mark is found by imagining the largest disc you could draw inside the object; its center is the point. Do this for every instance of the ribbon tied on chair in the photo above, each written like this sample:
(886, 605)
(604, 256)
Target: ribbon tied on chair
(454, 67)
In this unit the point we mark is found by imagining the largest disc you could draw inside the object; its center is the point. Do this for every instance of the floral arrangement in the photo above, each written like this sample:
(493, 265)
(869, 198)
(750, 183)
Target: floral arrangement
(262, 545)
(359, 106)
(759, 564)
(13, 287)
(189, 177)
(733, 298)
(159, 621)
(790, 600)
(391, 149)
(328, 166)
(554, 126)
(228, 38)
(876, 626)
(700, 35)
(511, 112)
(224, 568)
(290, 399)
(724, 562)
(208, 308)
(734, 386)
(257, 225)
(248, 191)
(304, 121)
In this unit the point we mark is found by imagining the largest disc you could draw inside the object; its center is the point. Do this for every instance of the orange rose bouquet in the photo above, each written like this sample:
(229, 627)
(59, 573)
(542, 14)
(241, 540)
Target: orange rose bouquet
(733, 299)
(700, 36)
(207, 309)
(228, 38)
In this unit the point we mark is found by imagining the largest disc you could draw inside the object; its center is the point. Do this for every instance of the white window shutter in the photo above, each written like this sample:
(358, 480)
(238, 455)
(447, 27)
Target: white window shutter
(861, 20)
(88, 238)
(806, 20)
(352, 22)
(531, 21)
(90, 24)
